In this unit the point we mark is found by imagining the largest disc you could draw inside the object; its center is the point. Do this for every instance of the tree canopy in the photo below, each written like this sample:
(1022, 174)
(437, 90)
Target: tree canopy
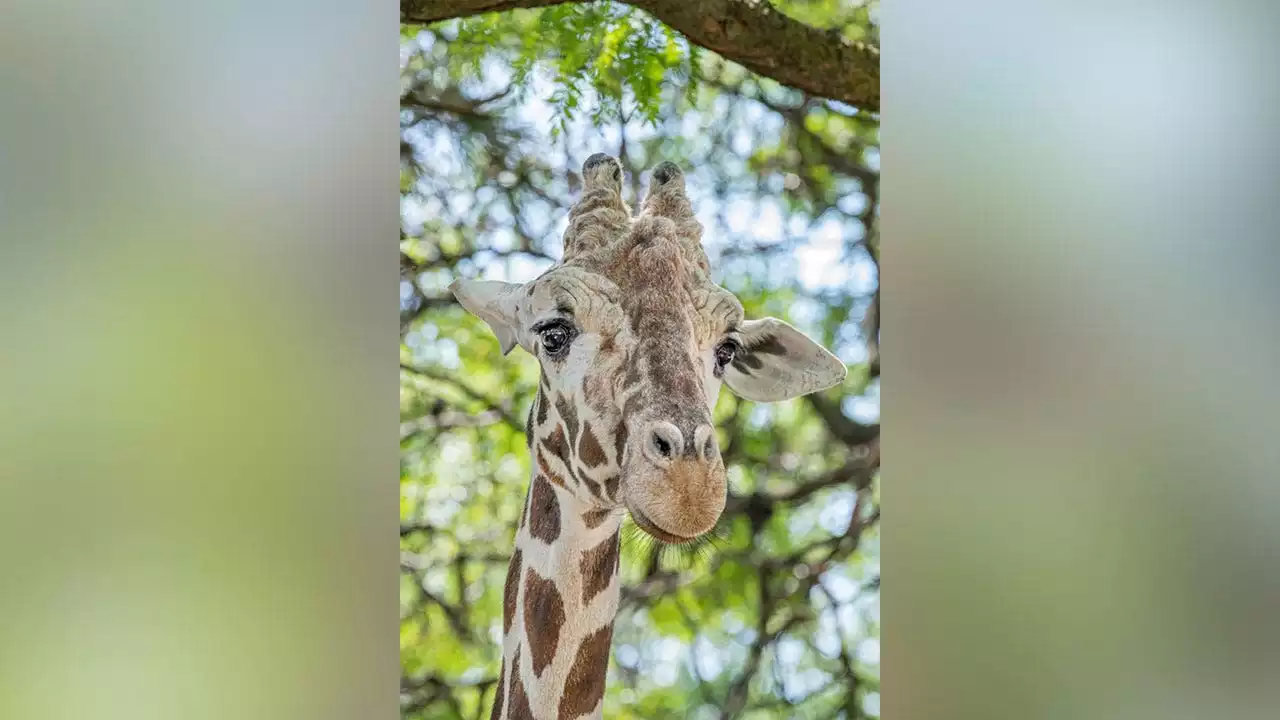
(826, 48)
(498, 111)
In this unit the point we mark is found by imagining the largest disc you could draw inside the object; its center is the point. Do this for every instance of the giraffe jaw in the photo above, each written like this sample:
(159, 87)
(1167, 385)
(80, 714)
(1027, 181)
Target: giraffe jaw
(651, 528)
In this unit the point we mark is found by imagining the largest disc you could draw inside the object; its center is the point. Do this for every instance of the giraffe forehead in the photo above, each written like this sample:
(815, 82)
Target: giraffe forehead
(680, 306)
(604, 298)
(573, 290)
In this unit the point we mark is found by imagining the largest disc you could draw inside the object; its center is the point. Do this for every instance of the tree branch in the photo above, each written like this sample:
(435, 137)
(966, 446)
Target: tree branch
(749, 32)
(494, 406)
(845, 429)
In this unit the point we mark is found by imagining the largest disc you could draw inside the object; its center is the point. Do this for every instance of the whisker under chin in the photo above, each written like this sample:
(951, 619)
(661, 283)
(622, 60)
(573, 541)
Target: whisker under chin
(699, 549)
(675, 556)
(636, 542)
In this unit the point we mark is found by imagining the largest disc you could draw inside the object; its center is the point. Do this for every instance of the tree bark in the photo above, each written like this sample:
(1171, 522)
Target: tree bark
(749, 32)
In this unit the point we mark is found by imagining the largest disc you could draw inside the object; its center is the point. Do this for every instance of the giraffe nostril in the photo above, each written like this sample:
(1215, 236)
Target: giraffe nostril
(664, 443)
(704, 439)
(664, 448)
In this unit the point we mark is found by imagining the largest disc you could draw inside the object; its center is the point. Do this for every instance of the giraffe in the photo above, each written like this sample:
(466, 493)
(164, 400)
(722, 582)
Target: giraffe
(634, 341)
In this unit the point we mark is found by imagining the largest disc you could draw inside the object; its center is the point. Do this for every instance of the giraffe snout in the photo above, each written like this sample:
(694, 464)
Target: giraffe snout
(676, 489)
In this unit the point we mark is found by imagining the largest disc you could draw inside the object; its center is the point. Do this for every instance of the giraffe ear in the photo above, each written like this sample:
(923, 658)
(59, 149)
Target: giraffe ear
(497, 303)
(778, 362)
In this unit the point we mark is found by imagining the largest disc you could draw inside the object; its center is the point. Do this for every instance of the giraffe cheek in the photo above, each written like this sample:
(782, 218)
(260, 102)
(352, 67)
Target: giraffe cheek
(598, 392)
(712, 385)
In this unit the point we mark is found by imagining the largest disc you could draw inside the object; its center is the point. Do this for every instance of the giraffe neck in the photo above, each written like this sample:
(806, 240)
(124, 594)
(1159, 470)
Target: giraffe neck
(559, 604)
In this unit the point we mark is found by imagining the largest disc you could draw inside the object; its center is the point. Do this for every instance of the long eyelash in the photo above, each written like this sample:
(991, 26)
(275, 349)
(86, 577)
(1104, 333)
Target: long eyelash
(545, 324)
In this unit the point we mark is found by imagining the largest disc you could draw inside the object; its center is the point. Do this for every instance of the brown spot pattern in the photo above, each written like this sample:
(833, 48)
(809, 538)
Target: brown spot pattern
(528, 425)
(589, 450)
(585, 686)
(544, 515)
(519, 709)
(598, 566)
(569, 414)
(620, 441)
(557, 445)
(543, 619)
(611, 486)
(594, 518)
(542, 409)
(550, 474)
(510, 591)
(499, 693)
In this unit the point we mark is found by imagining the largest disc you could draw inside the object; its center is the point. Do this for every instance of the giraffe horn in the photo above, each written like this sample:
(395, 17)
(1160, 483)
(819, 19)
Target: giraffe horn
(599, 216)
(667, 198)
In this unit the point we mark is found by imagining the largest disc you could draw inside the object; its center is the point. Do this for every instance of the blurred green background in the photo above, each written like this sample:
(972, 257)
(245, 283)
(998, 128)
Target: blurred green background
(497, 114)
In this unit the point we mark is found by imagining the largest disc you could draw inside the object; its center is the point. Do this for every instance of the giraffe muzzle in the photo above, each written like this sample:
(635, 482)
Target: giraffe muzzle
(676, 483)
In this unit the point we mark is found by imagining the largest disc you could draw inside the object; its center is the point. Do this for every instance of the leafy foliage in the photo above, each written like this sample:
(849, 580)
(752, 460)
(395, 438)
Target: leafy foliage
(498, 113)
(605, 55)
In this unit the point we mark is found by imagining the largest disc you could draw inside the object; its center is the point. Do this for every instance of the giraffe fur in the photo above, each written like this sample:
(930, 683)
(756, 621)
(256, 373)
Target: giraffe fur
(635, 342)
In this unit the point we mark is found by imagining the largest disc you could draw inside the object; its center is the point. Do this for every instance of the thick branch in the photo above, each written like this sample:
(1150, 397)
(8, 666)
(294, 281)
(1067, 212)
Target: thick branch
(749, 32)
(845, 429)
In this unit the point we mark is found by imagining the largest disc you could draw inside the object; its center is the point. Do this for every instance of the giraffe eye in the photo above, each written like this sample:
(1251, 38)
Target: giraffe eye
(725, 353)
(556, 338)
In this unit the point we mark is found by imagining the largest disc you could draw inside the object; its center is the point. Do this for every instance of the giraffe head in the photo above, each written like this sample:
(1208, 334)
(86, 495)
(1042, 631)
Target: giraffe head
(634, 341)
